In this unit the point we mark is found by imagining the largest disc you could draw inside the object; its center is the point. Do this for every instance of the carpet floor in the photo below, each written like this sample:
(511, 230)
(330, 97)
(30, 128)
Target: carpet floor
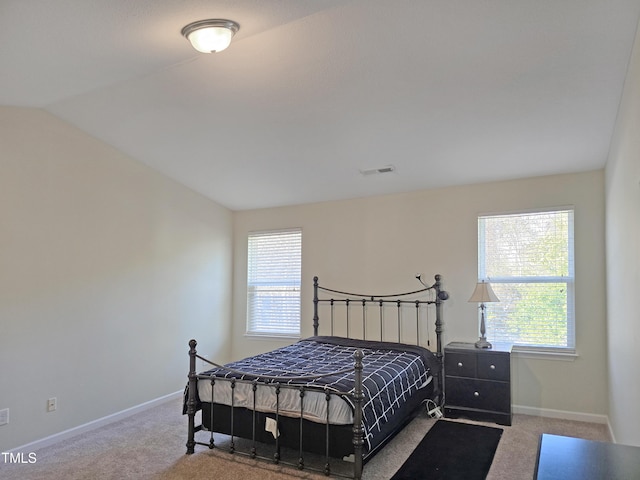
(150, 446)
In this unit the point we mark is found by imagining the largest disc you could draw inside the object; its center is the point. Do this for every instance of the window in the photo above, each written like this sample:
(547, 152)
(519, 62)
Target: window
(273, 283)
(528, 258)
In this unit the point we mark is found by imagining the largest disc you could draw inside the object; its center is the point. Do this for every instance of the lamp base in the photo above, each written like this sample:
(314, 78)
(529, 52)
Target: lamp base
(483, 343)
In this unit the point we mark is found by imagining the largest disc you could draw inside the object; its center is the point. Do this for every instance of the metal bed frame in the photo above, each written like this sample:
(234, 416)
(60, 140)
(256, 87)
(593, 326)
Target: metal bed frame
(356, 396)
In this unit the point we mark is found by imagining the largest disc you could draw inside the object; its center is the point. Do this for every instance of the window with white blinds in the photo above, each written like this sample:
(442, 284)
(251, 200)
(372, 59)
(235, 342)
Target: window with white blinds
(273, 283)
(528, 259)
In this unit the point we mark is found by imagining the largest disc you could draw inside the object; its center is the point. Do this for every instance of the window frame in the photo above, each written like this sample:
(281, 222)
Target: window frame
(259, 328)
(570, 348)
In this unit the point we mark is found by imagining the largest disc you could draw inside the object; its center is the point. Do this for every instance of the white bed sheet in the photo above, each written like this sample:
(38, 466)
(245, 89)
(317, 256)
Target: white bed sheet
(315, 403)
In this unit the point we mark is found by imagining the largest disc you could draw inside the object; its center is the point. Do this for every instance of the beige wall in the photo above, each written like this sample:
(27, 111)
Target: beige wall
(380, 243)
(107, 269)
(623, 261)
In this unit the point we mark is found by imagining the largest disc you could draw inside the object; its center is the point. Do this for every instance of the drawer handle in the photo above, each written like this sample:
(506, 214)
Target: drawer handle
(492, 367)
(476, 394)
(459, 364)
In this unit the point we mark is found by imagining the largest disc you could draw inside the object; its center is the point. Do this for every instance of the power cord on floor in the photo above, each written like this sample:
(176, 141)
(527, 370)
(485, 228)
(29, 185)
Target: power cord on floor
(433, 410)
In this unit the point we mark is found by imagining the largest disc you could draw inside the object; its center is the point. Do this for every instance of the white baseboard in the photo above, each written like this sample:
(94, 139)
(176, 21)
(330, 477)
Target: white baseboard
(613, 437)
(100, 422)
(561, 414)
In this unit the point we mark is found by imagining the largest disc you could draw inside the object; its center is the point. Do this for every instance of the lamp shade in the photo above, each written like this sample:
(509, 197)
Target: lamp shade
(209, 36)
(483, 293)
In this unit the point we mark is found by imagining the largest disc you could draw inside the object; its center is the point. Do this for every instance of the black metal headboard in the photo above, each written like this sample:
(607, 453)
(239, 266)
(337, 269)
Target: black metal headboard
(434, 293)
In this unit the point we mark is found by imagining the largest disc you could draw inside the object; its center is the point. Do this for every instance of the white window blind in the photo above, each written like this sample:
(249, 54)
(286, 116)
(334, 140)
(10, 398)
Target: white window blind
(273, 282)
(528, 259)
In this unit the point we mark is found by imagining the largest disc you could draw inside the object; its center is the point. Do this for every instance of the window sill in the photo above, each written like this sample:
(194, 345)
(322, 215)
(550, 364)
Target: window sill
(561, 355)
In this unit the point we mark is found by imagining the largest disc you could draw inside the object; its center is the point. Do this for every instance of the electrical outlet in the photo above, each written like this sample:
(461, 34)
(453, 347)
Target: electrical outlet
(52, 404)
(4, 416)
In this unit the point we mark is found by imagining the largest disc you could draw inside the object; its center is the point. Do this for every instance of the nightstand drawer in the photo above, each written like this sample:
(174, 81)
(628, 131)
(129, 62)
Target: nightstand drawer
(479, 394)
(460, 364)
(494, 367)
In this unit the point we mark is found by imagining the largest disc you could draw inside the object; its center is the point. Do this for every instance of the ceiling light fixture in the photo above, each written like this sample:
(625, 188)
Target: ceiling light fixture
(209, 36)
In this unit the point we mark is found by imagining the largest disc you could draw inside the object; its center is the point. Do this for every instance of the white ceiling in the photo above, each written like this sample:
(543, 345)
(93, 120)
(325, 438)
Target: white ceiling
(310, 92)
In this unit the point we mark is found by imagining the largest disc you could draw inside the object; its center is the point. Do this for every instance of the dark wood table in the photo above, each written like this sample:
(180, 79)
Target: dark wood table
(567, 458)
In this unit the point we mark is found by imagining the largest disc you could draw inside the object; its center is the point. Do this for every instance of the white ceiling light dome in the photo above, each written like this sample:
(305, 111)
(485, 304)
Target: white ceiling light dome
(209, 36)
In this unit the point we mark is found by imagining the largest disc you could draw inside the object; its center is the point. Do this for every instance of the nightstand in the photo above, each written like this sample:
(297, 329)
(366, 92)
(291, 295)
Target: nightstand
(477, 382)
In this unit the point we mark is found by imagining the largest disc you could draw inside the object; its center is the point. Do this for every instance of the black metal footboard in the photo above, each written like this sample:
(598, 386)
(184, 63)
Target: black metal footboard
(281, 387)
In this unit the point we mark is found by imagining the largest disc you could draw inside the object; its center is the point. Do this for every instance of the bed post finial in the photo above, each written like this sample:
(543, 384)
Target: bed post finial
(191, 399)
(316, 319)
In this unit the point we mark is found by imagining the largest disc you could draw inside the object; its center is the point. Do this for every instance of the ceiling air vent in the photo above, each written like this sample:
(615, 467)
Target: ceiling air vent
(378, 171)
